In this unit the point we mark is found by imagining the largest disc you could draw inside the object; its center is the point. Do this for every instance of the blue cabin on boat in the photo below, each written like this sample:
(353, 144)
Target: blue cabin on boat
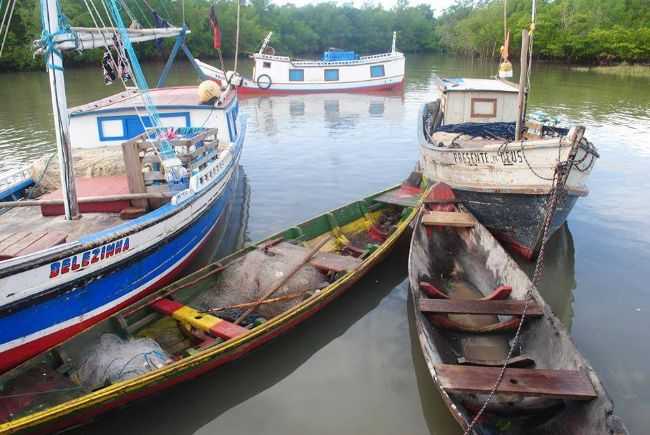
(337, 56)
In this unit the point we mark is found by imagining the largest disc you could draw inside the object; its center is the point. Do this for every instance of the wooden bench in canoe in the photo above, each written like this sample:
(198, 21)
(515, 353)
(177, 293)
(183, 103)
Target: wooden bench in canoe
(448, 219)
(464, 306)
(559, 384)
(207, 323)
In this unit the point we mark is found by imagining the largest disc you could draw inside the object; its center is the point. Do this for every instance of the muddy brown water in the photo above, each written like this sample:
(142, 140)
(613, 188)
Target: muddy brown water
(356, 366)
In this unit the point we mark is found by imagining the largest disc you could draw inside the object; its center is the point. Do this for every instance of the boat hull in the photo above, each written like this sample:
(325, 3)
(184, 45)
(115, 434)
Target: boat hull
(436, 256)
(516, 219)
(249, 88)
(507, 185)
(83, 411)
(37, 326)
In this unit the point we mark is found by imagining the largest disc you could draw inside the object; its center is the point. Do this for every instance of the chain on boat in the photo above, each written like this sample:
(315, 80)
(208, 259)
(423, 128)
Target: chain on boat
(556, 195)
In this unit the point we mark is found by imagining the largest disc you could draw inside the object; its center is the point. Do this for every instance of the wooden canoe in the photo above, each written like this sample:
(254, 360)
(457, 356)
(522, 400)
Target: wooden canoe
(468, 295)
(46, 393)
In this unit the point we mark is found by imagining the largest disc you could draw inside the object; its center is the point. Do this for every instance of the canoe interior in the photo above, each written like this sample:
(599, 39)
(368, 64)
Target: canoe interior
(466, 263)
(352, 237)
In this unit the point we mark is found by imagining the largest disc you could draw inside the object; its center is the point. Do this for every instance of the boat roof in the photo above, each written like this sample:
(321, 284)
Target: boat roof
(179, 96)
(461, 84)
(382, 57)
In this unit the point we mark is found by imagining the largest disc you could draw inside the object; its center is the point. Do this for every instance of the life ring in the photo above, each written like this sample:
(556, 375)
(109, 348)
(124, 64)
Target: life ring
(261, 84)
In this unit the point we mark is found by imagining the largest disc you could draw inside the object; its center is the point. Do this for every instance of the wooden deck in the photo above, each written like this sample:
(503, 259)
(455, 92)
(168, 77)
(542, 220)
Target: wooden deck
(29, 219)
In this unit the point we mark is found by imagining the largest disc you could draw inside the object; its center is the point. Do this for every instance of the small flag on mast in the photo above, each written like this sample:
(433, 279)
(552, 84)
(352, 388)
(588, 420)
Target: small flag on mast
(216, 30)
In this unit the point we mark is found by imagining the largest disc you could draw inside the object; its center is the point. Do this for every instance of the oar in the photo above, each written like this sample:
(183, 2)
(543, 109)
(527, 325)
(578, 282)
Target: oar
(250, 304)
(284, 280)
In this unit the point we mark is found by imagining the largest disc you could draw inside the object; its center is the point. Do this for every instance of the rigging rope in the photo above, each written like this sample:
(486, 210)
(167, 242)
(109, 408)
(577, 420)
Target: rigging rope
(174, 170)
(11, 14)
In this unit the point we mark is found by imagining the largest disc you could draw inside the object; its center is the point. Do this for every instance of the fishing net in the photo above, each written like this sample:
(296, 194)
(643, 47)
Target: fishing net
(256, 274)
(92, 162)
(113, 359)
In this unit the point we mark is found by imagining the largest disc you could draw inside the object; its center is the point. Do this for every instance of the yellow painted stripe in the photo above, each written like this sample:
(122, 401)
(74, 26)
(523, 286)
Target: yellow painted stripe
(198, 320)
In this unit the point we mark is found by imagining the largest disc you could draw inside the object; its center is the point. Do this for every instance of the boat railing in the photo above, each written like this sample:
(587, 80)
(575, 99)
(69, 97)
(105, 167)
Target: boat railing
(304, 62)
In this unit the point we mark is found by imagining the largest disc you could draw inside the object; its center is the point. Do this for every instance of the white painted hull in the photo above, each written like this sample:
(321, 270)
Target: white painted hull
(514, 167)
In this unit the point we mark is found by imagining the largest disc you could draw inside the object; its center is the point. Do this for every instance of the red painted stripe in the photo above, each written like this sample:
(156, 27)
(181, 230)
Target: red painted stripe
(245, 91)
(166, 306)
(227, 330)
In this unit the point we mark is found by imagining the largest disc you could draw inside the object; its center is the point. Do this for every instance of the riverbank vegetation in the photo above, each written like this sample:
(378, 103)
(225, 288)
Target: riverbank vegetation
(574, 31)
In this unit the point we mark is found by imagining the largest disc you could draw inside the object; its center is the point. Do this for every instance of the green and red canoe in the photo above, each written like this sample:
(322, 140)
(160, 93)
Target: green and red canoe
(47, 393)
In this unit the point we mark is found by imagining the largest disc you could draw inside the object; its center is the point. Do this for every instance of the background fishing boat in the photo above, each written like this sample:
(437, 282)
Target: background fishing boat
(205, 319)
(468, 298)
(69, 262)
(336, 71)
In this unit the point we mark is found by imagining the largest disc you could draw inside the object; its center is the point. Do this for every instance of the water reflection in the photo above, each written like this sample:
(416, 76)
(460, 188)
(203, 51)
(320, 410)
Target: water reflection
(337, 113)
(559, 278)
(232, 234)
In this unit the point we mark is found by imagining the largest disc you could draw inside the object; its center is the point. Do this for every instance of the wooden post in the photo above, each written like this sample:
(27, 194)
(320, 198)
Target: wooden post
(523, 80)
(133, 166)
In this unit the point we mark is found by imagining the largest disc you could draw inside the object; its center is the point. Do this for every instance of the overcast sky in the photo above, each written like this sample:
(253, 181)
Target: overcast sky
(437, 5)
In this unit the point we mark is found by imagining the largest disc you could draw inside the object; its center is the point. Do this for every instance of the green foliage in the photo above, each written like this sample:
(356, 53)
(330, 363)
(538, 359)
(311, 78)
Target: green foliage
(584, 31)
(297, 31)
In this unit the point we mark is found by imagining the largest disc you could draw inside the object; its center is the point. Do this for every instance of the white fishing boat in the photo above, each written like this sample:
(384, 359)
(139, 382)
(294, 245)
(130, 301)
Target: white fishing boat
(79, 253)
(475, 138)
(335, 71)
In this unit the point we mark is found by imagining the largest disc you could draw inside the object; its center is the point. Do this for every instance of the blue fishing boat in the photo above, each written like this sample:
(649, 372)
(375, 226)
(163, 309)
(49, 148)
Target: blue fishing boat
(79, 253)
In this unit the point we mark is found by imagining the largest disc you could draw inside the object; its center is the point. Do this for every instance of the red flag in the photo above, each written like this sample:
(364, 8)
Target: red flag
(216, 30)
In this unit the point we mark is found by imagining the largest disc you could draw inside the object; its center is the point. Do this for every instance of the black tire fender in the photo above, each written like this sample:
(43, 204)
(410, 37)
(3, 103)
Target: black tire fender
(261, 83)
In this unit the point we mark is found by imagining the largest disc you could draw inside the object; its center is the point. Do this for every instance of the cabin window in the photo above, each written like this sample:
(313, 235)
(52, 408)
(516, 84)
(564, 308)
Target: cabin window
(377, 71)
(266, 65)
(484, 107)
(297, 75)
(111, 128)
(331, 75)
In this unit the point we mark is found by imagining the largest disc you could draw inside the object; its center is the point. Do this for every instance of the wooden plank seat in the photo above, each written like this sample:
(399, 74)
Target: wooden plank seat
(515, 361)
(322, 260)
(22, 243)
(403, 196)
(479, 306)
(559, 384)
(208, 323)
(92, 187)
(448, 219)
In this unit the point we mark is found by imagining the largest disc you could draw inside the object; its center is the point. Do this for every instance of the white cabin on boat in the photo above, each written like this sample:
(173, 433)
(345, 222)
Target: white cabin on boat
(477, 100)
(114, 119)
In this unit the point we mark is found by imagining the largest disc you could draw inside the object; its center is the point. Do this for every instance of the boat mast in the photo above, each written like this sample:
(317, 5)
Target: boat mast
(524, 75)
(392, 50)
(54, 62)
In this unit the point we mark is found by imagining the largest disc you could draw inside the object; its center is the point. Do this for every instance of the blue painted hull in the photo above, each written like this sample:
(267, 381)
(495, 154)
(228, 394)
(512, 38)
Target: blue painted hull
(516, 219)
(133, 279)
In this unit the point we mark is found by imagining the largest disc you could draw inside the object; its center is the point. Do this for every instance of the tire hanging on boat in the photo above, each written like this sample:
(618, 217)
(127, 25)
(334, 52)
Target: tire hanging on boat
(260, 83)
